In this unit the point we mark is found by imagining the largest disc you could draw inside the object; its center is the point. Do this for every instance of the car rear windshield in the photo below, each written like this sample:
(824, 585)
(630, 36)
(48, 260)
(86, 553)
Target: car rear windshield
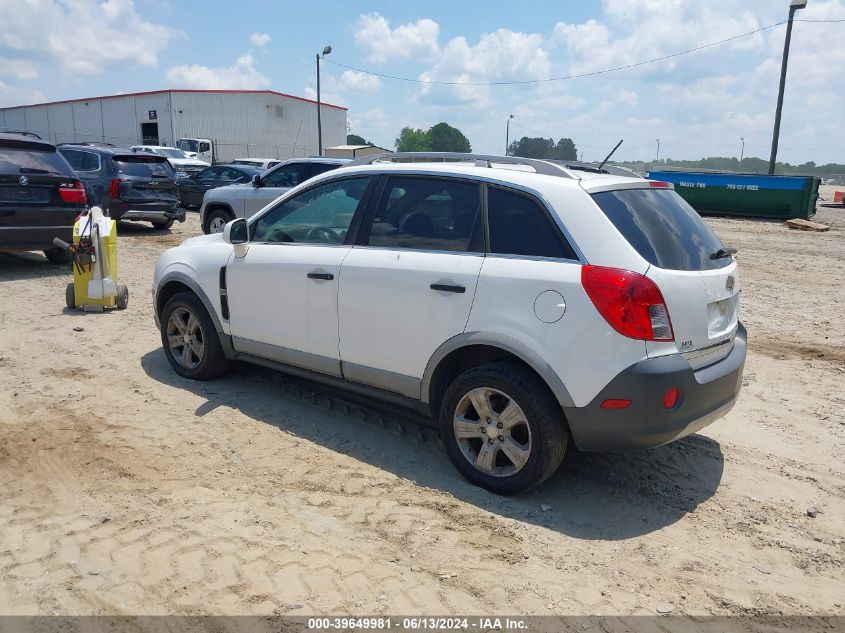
(144, 166)
(20, 158)
(664, 229)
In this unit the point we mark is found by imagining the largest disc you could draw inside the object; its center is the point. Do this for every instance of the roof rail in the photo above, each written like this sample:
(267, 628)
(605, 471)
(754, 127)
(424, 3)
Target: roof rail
(480, 160)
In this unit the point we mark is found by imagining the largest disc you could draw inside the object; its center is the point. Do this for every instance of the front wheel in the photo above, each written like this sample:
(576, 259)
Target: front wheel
(190, 339)
(216, 220)
(502, 428)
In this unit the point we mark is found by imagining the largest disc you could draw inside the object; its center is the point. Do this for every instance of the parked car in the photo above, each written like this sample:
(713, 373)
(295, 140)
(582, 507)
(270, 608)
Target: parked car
(260, 163)
(192, 188)
(21, 133)
(241, 201)
(89, 144)
(40, 197)
(129, 185)
(184, 165)
(520, 309)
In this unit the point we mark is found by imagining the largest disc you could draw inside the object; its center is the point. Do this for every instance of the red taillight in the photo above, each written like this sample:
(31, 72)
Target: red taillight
(658, 184)
(114, 189)
(670, 398)
(631, 303)
(73, 193)
(615, 403)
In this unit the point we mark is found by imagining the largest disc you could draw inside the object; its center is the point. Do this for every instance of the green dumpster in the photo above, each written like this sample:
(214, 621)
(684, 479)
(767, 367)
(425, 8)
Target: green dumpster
(752, 195)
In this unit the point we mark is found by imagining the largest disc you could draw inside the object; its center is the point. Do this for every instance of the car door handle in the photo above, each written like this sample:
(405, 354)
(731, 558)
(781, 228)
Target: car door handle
(448, 288)
(324, 276)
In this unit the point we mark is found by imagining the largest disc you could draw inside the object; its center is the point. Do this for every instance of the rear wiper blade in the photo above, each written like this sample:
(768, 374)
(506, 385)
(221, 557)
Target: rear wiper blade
(723, 252)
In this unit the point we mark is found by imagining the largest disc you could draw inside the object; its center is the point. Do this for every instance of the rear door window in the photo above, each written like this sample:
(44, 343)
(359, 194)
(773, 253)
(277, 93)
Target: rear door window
(144, 166)
(321, 168)
(81, 160)
(428, 214)
(665, 230)
(520, 226)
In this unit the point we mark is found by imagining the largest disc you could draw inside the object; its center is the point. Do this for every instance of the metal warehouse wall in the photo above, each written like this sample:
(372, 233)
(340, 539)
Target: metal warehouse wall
(242, 124)
(255, 124)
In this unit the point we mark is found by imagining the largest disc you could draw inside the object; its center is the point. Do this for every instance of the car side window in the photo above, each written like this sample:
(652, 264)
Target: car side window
(321, 168)
(286, 176)
(520, 226)
(321, 214)
(227, 174)
(430, 214)
(208, 175)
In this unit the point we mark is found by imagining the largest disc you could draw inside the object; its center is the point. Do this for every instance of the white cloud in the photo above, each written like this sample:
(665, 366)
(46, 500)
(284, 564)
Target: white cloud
(14, 95)
(628, 97)
(240, 75)
(325, 96)
(415, 40)
(260, 39)
(83, 36)
(17, 69)
(358, 81)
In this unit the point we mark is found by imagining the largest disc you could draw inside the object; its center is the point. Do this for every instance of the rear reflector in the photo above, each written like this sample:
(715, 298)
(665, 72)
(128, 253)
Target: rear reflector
(73, 193)
(670, 398)
(631, 303)
(658, 184)
(615, 403)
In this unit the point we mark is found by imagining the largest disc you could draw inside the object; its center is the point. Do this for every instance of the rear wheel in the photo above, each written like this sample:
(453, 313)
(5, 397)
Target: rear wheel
(70, 296)
(502, 428)
(216, 220)
(190, 340)
(122, 297)
(163, 226)
(57, 255)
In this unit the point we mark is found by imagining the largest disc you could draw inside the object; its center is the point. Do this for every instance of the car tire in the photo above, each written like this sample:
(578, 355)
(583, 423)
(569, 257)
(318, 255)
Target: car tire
(57, 256)
(185, 315)
(528, 443)
(216, 218)
(163, 226)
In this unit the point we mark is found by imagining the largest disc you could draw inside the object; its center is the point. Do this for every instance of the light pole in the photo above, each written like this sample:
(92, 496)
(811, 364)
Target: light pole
(657, 156)
(742, 151)
(794, 6)
(326, 51)
(507, 133)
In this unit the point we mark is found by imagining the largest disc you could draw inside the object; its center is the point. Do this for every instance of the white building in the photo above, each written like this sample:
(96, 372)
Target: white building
(240, 123)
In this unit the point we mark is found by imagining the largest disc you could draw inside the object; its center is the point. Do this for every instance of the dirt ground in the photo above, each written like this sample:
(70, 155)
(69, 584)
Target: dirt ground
(125, 489)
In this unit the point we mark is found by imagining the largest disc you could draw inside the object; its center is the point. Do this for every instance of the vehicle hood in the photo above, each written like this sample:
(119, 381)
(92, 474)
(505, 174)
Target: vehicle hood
(199, 240)
(188, 162)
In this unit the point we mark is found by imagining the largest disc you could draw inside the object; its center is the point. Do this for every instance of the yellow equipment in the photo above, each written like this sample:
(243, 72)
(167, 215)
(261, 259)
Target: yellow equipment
(94, 251)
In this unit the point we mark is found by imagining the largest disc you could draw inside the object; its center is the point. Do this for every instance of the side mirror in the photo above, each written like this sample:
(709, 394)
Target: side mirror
(256, 180)
(236, 233)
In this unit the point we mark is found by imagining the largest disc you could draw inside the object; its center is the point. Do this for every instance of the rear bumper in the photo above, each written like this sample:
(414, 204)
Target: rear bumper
(154, 212)
(706, 395)
(33, 238)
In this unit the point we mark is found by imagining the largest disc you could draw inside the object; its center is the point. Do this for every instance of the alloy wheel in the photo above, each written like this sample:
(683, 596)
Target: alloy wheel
(492, 432)
(185, 338)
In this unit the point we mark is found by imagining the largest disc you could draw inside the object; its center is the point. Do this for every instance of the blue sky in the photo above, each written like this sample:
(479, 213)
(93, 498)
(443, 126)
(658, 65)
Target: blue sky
(698, 104)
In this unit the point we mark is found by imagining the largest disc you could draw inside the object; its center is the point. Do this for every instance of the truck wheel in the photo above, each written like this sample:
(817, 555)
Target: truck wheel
(70, 296)
(190, 339)
(163, 226)
(502, 428)
(122, 296)
(216, 220)
(57, 256)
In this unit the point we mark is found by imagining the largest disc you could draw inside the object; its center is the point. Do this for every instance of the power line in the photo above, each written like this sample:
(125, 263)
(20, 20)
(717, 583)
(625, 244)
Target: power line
(573, 76)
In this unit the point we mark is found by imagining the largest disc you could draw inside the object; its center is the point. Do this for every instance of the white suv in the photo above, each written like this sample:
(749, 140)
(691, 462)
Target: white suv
(521, 303)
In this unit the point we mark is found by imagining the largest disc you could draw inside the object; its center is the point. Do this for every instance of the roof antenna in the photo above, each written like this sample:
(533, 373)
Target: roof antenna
(607, 158)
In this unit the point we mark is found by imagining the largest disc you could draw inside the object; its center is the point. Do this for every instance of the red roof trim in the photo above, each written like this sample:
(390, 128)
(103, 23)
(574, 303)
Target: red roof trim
(156, 92)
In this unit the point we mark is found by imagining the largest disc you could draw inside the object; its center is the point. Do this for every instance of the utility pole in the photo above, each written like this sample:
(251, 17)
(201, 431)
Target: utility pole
(657, 156)
(742, 151)
(326, 51)
(794, 6)
(507, 134)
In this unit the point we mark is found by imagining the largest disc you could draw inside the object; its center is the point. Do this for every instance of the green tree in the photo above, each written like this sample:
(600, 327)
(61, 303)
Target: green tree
(413, 140)
(532, 147)
(445, 138)
(565, 150)
(354, 139)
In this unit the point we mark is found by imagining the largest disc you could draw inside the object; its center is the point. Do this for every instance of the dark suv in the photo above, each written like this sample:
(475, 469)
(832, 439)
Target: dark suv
(40, 197)
(129, 186)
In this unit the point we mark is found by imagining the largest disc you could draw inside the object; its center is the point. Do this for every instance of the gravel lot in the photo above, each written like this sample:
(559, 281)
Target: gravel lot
(128, 490)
